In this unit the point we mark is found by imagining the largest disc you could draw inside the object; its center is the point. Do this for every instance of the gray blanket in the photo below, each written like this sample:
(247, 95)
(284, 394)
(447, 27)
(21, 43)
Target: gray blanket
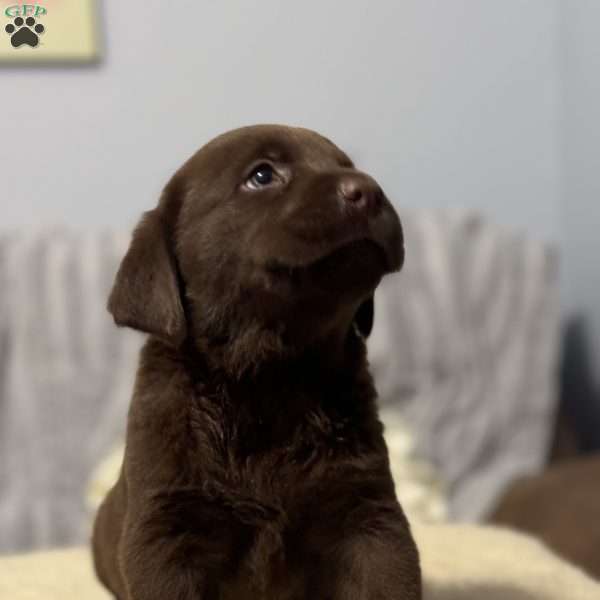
(464, 346)
(65, 380)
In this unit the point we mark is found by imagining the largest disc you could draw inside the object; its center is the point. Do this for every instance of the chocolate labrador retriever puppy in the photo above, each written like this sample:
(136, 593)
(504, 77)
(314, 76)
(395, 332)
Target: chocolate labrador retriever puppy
(255, 465)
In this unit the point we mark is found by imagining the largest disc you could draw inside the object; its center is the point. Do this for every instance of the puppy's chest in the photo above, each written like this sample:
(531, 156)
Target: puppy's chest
(272, 452)
(274, 483)
(269, 466)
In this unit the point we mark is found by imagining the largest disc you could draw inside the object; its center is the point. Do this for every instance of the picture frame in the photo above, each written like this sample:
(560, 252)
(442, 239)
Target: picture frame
(49, 31)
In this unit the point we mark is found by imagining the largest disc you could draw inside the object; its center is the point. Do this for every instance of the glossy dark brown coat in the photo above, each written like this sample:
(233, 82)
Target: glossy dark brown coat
(255, 465)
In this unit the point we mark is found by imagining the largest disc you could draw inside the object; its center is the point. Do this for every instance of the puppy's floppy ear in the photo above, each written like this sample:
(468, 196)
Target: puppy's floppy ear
(365, 316)
(146, 294)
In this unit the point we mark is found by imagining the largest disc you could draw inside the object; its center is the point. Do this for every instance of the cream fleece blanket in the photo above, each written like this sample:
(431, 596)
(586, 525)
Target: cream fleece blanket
(460, 562)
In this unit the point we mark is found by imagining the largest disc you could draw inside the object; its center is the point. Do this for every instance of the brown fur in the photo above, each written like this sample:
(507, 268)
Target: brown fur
(255, 465)
(561, 506)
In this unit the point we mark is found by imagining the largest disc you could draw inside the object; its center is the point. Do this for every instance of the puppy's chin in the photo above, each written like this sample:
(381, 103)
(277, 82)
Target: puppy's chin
(355, 267)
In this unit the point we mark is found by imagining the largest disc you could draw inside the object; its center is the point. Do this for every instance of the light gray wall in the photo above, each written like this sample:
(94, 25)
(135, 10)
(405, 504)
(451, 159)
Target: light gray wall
(493, 105)
(580, 214)
(447, 103)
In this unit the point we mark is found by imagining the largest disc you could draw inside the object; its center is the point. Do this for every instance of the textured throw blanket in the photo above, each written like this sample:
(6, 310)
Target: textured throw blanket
(66, 376)
(463, 349)
(465, 346)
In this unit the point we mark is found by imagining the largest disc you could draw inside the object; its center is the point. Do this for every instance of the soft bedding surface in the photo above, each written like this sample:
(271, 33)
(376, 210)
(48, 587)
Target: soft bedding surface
(460, 562)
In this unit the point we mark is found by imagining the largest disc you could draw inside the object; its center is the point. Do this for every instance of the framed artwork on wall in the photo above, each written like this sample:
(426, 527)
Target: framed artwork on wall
(49, 31)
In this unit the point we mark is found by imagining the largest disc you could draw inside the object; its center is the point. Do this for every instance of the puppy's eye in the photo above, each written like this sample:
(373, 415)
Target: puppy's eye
(262, 176)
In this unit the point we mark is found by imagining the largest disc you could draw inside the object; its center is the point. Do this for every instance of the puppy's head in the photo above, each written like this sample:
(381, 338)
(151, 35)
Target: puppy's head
(267, 240)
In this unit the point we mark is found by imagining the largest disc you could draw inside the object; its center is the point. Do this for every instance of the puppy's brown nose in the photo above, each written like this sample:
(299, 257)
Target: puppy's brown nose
(360, 193)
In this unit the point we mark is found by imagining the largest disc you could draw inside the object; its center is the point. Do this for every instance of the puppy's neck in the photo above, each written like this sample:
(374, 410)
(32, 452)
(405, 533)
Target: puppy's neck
(255, 351)
(283, 392)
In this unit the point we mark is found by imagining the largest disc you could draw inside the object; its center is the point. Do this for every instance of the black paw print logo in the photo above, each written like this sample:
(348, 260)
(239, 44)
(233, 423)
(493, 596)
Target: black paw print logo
(24, 32)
